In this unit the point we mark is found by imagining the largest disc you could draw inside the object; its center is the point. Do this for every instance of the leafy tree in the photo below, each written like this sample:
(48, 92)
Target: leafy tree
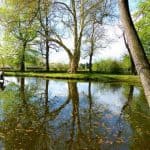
(143, 24)
(22, 118)
(8, 51)
(18, 20)
(137, 51)
(107, 66)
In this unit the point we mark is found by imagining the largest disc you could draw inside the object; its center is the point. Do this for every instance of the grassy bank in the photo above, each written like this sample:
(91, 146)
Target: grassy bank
(80, 76)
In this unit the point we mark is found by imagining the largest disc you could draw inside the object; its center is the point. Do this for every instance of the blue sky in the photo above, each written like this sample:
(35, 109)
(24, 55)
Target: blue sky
(133, 4)
(115, 50)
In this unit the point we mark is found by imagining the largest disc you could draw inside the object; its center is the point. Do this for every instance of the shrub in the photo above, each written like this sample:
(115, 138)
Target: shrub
(58, 67)
(107, 66)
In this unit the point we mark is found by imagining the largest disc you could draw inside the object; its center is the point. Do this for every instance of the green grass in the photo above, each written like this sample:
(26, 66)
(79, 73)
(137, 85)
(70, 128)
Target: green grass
(130, 79)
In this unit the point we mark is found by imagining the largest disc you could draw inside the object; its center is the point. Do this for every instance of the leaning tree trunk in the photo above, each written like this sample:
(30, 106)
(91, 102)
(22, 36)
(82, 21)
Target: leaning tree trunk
(137, 50)
(133, 69)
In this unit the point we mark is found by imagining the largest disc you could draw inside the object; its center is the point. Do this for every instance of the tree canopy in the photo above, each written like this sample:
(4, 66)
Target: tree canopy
(143, 24)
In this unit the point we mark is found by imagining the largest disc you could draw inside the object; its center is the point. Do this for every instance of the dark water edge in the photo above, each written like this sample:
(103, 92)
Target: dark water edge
(38, 114)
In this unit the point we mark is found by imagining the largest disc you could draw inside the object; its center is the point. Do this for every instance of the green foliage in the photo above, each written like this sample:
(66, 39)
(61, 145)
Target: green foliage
(131, 79)
(10, 54)
(107, 66)
(19, 29)
(16, 17)
(33, 57)
(9, 51)
(114, 66)
(58, 67)
(126, 63)
(143, 24)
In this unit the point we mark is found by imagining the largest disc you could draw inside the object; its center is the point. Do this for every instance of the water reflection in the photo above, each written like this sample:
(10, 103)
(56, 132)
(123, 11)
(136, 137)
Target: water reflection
(53, 115)
(2, 87)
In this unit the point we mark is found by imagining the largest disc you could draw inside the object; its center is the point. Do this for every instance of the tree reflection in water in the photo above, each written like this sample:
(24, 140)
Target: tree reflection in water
(22, 124)
(31, 117)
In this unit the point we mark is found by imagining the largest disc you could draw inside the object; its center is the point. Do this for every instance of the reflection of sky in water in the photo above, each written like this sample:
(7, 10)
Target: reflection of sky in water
(113, 100)
(10, 79)
(1, 110)
(58, 88)
(136, 91)
(107, 103)
(58, 91)
(1, 146)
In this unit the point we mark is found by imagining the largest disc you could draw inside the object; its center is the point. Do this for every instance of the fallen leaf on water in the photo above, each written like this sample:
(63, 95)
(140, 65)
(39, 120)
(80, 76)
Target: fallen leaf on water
(29, 131)
(100, 141)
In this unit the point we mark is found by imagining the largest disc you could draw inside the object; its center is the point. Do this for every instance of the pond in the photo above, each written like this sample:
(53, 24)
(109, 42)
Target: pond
(40, 114)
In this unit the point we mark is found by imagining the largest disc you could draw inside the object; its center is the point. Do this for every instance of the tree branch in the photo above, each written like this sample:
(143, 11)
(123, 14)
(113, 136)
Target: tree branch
(66, 6)
(59, 42)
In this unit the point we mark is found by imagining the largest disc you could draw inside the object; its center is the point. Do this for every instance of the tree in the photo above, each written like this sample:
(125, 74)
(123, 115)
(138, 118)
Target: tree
(95, 30)
(18, 20)
(95, 41)
(133, 70)
(137, 51)
(43, 17)
(20, 107)
(142, 24)
(8, 51)
(69, 22)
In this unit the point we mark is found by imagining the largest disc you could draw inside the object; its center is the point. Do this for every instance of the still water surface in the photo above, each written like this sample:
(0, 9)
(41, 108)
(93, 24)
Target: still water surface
(38, 114)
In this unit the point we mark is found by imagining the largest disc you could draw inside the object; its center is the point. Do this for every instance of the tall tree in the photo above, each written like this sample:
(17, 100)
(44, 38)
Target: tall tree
(70, 20)
(133, 70)
(137, 51)
(142, 24)
(44, 19)
(18, 20)
(95, 41)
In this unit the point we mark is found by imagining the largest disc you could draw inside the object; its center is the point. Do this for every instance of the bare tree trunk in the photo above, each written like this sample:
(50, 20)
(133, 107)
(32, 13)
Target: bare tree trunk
(92, 47)
(91, 53)
(129, 98)
(74, 95)
(22, 63)
(90, 108)
(47, 45)
(46, 96)
(73, 66)
(133, 69)
(22, 91)
(90, 62)
(74, 62)
(137, 50)
(47, 56)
